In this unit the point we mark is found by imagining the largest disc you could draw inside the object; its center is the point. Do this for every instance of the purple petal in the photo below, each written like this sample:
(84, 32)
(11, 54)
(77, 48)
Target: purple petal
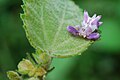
(94, 16)
(72, 30)
(100, 23)
(98, 17)
(95, 22)
(86, 16)
(88, 31)
(93, 36)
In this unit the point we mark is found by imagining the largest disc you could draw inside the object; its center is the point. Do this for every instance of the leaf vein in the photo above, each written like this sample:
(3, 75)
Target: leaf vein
(60, 26)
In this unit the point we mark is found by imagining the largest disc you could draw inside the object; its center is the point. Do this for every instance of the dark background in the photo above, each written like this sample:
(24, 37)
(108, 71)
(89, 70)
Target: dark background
(100, 62)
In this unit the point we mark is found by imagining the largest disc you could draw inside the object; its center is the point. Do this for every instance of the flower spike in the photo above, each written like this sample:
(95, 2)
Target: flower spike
(89, 27)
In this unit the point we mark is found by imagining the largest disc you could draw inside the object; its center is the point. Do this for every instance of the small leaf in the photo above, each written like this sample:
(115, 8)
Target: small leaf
(45, 23)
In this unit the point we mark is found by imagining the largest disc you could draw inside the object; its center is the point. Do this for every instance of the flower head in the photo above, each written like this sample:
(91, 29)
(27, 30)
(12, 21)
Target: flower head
(89, 27)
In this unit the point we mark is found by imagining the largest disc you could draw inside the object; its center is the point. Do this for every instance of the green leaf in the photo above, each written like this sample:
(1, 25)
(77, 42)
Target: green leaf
(45, 23)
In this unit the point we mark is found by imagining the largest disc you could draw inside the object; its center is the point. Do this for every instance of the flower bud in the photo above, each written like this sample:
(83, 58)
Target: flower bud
(25, 67)
(12, 75)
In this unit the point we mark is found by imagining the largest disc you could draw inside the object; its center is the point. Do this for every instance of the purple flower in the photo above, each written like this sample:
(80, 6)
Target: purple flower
(89, 27)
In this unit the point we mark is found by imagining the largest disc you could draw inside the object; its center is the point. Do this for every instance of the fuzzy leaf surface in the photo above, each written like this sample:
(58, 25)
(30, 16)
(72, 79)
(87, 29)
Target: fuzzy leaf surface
(45, 23)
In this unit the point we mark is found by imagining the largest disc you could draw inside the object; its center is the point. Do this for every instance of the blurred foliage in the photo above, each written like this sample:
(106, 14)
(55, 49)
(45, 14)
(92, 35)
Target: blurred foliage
(99, 62)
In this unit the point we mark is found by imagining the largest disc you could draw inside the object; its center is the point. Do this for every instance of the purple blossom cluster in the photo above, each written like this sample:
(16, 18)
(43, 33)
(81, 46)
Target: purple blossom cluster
(88, 28)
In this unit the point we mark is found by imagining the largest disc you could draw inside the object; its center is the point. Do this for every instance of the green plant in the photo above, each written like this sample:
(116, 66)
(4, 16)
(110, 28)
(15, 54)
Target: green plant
(45, 23)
